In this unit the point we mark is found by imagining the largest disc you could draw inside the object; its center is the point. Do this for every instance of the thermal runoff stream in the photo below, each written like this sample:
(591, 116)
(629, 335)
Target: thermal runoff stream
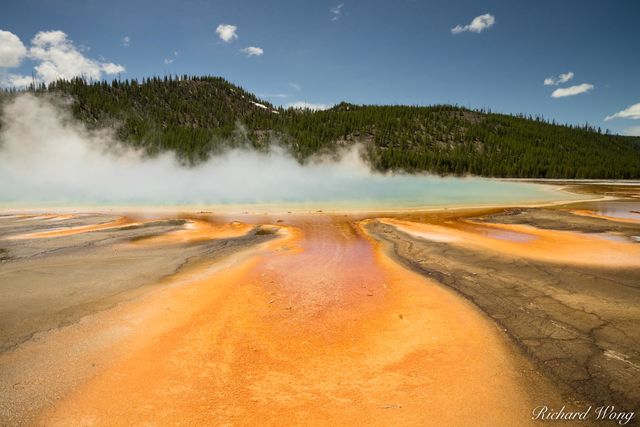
(317, 325)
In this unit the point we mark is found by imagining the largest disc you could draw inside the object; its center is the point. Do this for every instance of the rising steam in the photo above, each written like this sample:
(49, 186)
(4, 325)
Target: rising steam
(48, 157)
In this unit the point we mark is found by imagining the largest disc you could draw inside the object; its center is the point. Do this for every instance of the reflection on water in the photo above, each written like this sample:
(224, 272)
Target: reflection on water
(618, 209)
(614, 237)
(509, 235)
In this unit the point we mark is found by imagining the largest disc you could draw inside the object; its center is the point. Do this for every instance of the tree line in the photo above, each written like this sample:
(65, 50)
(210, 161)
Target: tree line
(199, 116)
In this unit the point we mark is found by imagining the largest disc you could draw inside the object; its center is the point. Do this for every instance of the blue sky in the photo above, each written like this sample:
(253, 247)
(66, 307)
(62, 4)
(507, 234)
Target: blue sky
(375, 51)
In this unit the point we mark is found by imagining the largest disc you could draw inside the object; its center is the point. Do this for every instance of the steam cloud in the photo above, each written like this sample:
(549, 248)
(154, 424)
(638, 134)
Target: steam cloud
(48, 157)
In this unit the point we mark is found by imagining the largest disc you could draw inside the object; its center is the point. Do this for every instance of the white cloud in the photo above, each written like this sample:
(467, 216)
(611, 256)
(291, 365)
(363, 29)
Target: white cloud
(44, 38)
(59, 59)
(632, 131)
(555, 81)
(274, 95)
(295, 86)
(171, 59)
(477, 25)
(336, 11)
(572, 90)
(227, 32)
(126, 41)
(563, 78)
(12, 51)
(301, 105)
(16, 80)
(631, 112)
(111, 68)
(56, 57)
(252, 51)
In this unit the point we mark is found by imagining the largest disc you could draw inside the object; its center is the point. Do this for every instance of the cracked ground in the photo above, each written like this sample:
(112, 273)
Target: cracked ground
(579, 323)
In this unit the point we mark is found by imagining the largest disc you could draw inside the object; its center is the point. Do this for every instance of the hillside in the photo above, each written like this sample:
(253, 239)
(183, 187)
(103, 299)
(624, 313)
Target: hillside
(198, 116)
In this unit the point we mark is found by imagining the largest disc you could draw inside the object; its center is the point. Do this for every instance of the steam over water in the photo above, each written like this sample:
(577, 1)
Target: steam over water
(47, 158)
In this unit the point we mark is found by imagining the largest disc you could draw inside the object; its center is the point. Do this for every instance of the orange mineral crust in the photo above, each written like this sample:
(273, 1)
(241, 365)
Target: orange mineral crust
(69, 231)
(198, 230)
(592, 214)
(315, 327)
(525, 241)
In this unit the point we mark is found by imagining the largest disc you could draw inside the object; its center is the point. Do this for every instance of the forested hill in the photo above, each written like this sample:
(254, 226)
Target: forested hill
(198, 116)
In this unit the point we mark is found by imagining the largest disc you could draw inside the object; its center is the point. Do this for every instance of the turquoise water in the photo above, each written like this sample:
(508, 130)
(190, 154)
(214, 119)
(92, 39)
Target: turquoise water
(357, 193)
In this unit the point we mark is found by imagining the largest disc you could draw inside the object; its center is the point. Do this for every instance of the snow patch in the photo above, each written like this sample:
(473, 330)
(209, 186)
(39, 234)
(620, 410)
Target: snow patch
(258, 105)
